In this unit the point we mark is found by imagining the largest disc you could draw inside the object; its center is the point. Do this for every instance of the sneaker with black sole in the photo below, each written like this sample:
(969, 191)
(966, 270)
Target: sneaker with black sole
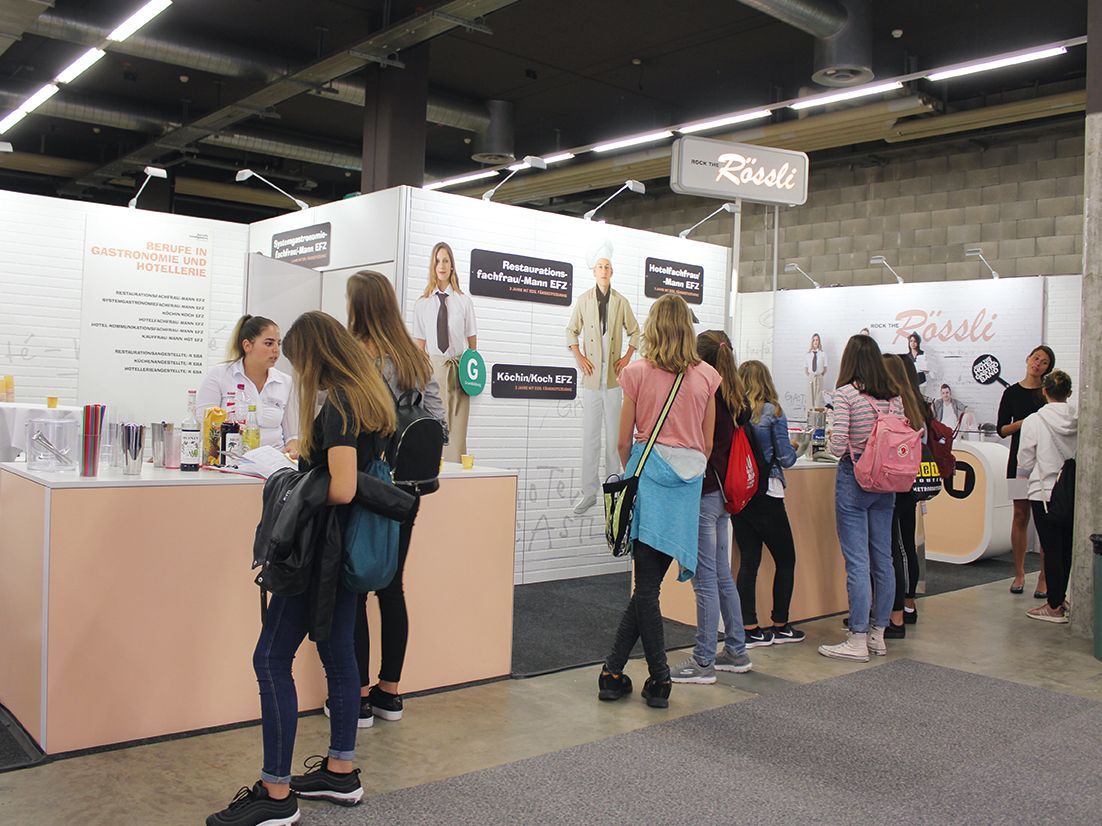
(910, 615)
(758, 637)
(366, 719)
(728, 660)
(657, 694)
(613, 687)
(691, 671)
(254, 807)
(385, 705)
(321, 784)
(783, 634)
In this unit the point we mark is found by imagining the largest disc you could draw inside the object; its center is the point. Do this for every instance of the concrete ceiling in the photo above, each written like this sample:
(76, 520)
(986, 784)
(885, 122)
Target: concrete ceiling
(576, 71)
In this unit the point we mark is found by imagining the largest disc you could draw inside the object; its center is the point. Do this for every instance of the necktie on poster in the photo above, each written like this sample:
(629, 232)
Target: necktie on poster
(814, 362)
(442, 323)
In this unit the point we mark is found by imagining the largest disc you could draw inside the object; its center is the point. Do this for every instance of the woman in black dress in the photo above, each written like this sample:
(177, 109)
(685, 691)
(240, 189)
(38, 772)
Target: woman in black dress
(1020, 401)
(914, 352)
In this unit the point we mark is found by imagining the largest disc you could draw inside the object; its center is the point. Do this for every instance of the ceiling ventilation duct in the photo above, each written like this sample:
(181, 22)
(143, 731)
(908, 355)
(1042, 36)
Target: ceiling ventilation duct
(494, 145)
(843, 35)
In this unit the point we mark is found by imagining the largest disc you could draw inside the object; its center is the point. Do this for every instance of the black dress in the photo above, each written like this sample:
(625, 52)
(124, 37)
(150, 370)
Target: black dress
(1017, 403)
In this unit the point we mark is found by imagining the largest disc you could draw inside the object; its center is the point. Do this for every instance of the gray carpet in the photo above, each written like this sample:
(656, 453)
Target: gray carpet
(942, 577)
(902, 743)
(572, 622)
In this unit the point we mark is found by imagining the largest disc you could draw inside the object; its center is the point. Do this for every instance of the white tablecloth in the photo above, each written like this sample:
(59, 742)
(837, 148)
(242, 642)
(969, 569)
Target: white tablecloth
(13, 424)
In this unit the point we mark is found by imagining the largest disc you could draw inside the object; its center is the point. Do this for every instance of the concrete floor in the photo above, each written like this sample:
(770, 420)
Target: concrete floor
(981, 630)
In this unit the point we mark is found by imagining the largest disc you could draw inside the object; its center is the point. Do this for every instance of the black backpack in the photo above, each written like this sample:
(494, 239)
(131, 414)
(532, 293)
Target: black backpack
(1061, 504)
(417, 444)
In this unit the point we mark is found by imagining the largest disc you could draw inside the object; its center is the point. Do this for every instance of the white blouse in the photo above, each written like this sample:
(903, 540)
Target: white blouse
(276, 404)
(461, 322)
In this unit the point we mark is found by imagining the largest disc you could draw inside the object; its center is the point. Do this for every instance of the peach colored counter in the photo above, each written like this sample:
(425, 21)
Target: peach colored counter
(128, 608)
(820, 586)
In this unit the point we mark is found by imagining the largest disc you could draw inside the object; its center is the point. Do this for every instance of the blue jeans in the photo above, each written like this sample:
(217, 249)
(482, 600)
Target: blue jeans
(715, 588)
(864, 523)
(283, 632)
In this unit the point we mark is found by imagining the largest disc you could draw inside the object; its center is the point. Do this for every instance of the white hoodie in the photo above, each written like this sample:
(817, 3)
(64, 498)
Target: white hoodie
(1048, 439)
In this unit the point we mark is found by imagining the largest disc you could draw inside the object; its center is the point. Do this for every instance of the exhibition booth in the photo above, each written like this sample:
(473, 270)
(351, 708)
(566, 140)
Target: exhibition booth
(117, 580)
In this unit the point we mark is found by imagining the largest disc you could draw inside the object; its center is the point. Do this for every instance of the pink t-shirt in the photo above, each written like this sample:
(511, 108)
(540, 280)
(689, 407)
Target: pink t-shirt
(648, 386)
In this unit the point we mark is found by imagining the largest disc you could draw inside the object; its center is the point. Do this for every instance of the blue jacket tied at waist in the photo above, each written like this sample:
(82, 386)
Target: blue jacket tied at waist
(667, 510)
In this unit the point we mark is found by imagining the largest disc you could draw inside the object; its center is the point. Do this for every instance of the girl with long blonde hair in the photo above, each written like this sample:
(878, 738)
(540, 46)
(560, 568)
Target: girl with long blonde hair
(665, 524)
(764, 521)
(444, 326)
(344, 437)
(716, 594)
(376, 322)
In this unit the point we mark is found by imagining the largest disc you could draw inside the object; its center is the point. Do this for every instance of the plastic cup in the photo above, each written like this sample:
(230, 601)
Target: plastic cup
(467, 460)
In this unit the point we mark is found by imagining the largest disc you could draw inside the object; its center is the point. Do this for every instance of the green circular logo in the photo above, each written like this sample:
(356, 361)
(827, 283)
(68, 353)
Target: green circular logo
(472, 373)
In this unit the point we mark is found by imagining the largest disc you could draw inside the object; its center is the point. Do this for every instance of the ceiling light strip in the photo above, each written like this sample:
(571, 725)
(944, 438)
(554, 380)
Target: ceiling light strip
(724, 120)
(80, 65)
(138, 19)
(634, 140)
(848, 94)
(461, 179)
(996, 63)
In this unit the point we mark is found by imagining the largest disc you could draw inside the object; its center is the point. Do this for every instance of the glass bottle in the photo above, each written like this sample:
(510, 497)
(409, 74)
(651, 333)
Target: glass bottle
(250, 434)
(190, 437)
(230, 432)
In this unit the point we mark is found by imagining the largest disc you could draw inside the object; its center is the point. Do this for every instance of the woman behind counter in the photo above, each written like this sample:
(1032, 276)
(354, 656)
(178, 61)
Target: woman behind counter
(251, 354)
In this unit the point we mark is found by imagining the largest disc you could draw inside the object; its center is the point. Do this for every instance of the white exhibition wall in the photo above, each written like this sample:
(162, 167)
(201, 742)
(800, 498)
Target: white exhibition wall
(88, 325)
(1018, 314)
(539, 438)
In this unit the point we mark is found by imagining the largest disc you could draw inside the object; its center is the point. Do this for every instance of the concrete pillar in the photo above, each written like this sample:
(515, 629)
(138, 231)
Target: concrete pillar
(1088, 487)
(394, 122)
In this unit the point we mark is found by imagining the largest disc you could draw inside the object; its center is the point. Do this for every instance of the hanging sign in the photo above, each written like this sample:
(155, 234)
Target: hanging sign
(726, 170)
(521, 277)
(525, 381)
(661, 277)
(306, 246)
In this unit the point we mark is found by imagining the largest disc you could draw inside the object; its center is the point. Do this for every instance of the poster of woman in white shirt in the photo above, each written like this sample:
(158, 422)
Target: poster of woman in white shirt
(815, 367)
(444, 326)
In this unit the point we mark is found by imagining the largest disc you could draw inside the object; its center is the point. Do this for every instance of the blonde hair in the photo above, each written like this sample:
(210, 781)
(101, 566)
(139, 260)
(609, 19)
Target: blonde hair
(811, 344)
(913, 407)
(714, 347)
(760, 389)
(247, 328)
(454, 281)
(374, 319)
(668, 340)
(326, 357)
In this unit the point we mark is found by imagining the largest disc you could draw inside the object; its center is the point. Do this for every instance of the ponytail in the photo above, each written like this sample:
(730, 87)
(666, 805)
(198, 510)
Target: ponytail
(248, 327)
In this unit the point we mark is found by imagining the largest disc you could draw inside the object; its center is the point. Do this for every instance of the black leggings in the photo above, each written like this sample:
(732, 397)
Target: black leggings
(764, 519)
(392, 617)
(643, 616)
(904, 552)
(1057, 542)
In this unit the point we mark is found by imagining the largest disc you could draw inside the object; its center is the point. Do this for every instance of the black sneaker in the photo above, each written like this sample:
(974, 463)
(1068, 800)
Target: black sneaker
(253, 807)
(612, 688)
(785, 634)
(321, 784)
(657, 694)
(896, 632)
(384, 704)
(759, 637)
(367, 718)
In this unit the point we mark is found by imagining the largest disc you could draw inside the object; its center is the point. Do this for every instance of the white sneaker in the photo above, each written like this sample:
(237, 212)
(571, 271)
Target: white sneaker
(856, 647)
(583, 504)
(877, 645)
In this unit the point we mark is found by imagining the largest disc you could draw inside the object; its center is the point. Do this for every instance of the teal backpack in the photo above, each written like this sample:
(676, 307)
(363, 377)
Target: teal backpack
(370, 543)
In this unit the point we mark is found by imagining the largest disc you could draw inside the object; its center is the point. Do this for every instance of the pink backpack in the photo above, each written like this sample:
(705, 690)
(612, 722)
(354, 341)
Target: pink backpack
(891, 459)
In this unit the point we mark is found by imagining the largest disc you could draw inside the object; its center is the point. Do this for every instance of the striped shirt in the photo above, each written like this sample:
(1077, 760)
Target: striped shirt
(854, 415)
